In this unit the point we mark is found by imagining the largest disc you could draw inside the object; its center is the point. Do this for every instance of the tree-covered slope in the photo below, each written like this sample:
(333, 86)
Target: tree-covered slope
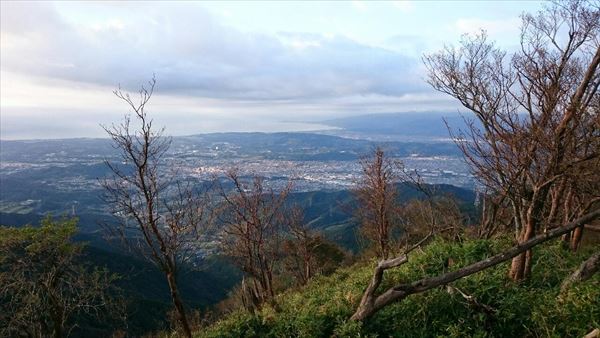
(532, 308)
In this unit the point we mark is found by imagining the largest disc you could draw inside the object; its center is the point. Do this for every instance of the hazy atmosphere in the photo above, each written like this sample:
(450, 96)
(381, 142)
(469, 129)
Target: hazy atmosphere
(300, 169)
(228, 66)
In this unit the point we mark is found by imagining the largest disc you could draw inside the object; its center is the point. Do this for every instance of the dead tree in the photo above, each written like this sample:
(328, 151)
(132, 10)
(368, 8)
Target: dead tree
(372, 302)
(306, 252)
(581, 195)
(537, 110)
(301, 247)
(376, 194)
(495, 215)
(253, 217)
(157, 215)
(434, 214)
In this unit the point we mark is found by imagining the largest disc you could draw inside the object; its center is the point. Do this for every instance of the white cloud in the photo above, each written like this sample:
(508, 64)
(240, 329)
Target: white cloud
(193, 54)
(405, 6)
(58, 71)
(359, 5)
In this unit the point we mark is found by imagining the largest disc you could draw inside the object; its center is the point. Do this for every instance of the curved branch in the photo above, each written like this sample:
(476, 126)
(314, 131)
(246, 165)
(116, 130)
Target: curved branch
(401, 291)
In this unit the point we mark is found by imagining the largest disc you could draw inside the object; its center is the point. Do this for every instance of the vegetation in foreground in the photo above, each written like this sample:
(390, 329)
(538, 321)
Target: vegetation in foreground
(498, 307)
(536, 155)
(45, 289)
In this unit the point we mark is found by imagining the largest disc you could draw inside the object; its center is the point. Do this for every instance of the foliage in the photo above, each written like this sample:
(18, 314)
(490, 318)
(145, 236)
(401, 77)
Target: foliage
(43, 286)
(531, 308)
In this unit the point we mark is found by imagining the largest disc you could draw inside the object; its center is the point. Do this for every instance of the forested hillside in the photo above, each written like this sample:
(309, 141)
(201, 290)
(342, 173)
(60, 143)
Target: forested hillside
(490, 231)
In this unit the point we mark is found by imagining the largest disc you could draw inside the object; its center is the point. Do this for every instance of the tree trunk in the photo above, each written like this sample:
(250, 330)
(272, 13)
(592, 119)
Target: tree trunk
(517, 267)
(307, 270)
(367, 304)
(520, 267)
(566, 240)
(576, 238)
(528, 263)
(178, 304)
(370, 303)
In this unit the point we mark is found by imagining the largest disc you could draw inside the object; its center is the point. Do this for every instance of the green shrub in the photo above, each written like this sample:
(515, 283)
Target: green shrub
(531, 308)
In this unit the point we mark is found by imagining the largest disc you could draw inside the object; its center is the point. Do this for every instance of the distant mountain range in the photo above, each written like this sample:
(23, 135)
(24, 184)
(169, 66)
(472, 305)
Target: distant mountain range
(38, 177)
(280, 146)
(407, 124)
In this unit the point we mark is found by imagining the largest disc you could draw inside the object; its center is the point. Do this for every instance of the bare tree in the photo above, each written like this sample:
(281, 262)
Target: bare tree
(158, 216)
(435, 214)
(539, 144)
(538, 113)
(495, 215)
(306, 252)
(301, 248)
(377, 195)
(372, 302)
(580, 194)
(253, 220)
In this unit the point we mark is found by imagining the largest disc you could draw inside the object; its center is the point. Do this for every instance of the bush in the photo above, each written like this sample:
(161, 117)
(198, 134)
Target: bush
(531, 308)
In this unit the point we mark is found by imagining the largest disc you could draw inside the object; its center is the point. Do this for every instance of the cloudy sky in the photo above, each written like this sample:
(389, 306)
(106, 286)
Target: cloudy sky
(227, 66)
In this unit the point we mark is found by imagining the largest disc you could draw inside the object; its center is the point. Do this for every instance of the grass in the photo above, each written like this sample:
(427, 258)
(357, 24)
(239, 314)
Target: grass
(534, 308)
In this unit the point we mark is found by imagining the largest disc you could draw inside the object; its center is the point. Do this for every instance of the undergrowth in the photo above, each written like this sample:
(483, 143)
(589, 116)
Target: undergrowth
(534, 308)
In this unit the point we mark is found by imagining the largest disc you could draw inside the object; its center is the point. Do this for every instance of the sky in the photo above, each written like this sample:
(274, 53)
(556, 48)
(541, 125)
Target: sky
(228, 66)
